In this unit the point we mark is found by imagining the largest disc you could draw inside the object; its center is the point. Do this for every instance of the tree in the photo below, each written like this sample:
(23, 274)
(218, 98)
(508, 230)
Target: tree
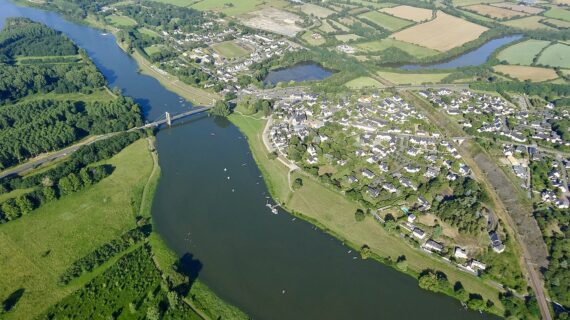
(297, 184)
(152, 313)
(434, 281)
(24, 204)
(49, 194)
(365, 252)
(359, 215)
(221, 109)
(10, 210)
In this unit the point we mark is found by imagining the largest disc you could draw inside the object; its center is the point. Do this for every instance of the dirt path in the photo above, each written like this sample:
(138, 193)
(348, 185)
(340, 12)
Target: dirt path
(152, 173)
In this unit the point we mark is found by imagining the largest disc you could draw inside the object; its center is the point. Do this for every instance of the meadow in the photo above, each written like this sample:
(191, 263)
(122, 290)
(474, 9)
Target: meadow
(523, 73)
(494, 12)
(385, 21)
(412, 78)
(121, 21)
(317, 11)
(347, 37)
(443, 33)
(363, 82)
(558, 13)
(412, 49)
(527, 23)
(522, 53)
(229, 7)
(37, 248)
(557, 55)
(308, 36)
(518, 7)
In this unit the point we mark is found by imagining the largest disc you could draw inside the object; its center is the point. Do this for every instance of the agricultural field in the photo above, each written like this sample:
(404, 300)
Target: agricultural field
(149, 32)
(180, 3)
(528, 23)
(558, 13)
(155, 48)
(518, 7)
(121, 21)
(228, 7)
(386, 21)
(523, 73)
(308, 36)
(409, 13)
(273, 20)
(476, 16)
(363, 82)
(317, 11)
(443, 33)
(339, 25)
(326, 27)
(522, 53)
(557, 55)
(494, 12)
(373, 4)
(412, 78)
(347, 37)
(37, 248)
(412, 49)
(461, 3)
(231, 49)
(557, 23)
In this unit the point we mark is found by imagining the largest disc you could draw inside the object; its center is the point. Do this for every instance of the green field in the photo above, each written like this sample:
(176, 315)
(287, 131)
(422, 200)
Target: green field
(522, 53)
(149, 32)
(557, 55)
(386, 21)
(308, 36)
(230, 50)
(363, 82)
(412, 49)
(37, 248)
(155, 48)
(374, 4)
(558, 23)
(347, 37)
(412, 78)
(229, 7)
(121, 21)
(528, 23)
(317, 11)
(180, 3)
(558, 13)
(476, 16)
(331, 210)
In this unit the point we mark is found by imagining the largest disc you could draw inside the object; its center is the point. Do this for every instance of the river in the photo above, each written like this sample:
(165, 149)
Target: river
(270, 266)
(475, 57)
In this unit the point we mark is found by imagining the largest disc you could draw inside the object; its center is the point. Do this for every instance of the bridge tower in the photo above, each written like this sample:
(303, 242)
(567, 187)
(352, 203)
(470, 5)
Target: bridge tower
(168, 119)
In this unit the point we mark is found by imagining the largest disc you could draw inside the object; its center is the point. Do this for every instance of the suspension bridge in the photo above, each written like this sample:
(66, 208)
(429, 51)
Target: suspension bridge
(168, 118)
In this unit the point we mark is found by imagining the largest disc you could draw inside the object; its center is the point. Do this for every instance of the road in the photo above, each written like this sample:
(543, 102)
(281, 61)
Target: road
(52, 156)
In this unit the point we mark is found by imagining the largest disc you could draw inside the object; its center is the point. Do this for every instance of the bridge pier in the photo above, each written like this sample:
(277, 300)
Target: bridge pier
(168, 119)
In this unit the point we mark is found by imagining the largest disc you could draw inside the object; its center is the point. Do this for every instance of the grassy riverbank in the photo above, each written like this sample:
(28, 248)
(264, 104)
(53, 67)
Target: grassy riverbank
(334, 213)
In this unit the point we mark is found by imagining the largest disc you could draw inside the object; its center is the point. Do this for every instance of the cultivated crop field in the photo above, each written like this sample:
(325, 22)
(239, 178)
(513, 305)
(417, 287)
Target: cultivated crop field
(494, 12)
(523, 73)
(409, 13)
(412, 49)
(230, 49)
(385, 21)
(443, 33)
(518, 7)
(528, 23)
(412, 78)
(557, 55)
(522, 53)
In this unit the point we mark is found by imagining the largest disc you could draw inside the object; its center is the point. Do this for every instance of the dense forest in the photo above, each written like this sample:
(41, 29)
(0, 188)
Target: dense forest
(29, 127)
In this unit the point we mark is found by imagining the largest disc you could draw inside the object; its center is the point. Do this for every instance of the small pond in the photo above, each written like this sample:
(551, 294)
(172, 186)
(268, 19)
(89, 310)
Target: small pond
(298, 73)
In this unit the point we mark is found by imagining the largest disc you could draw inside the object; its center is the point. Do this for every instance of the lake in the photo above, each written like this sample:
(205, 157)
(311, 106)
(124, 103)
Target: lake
(298, 73)
(472, 58)
(270, 266)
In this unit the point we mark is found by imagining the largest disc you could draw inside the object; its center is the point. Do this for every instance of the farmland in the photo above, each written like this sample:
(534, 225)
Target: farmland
(523, 73)
(494, 12)
(522, 53)
(347, 37)
(527, 23)
(229, 7)
(557, 55)
(558, 13)
(180, 3)
(443, 33)
(230, 49)
(308, 36)
(557, 23)
(315, 10)
(386, 21)
(121, 21)
(273, 20)
(363, 82)
(518, 7)
(327, 28)
(412, 49)
(409, 13)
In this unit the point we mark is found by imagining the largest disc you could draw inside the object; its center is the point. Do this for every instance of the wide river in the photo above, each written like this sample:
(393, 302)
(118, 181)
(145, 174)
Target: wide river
(270, 266)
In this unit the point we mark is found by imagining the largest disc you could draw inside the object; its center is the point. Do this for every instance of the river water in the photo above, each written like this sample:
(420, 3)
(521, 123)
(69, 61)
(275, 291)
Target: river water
(270, 266)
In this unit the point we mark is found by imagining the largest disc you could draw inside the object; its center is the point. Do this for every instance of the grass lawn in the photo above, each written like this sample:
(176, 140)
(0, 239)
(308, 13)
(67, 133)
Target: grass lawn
(121, 21)
(558, 13)
(363, 82)
(386, 21)
(228, 7)
(230, 49)
(333, 212)
(412, 78)
(557, 55)
(412, 49)
(522, 53)
(37, 248)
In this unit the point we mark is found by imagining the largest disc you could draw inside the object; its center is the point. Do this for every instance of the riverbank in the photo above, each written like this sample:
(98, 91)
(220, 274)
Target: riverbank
(334, 214)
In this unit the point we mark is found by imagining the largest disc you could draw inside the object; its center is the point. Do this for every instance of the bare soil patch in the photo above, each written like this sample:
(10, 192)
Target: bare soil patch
(273, 20)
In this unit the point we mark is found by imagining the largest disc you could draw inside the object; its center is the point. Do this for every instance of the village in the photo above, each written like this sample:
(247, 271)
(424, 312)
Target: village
(381, 150)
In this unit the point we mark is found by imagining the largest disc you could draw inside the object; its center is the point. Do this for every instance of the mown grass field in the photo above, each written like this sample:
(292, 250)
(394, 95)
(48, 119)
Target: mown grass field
(347, 37)
(229, 7)
(558, 13)
(332, 211)
(494, 12)
(412, 49)
(37, 248)
(180, 3)
(412, 78)
(558, 23)
(308, 36)
(409, 13)
(557, 55)
(155, 48)
(363, 82)
(148, 32)
(522, 53)
(386, 21)
(317, 11)
(121, 21)
(230, 49)
(522, 73)
(528, 23)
